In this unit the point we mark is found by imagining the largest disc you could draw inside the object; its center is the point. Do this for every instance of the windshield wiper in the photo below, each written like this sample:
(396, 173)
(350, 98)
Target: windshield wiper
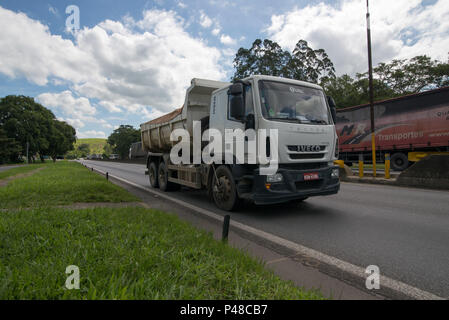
(287, 119)
(317, 121)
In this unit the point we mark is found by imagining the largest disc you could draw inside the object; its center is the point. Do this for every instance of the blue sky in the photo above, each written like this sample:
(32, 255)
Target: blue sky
(132, 60)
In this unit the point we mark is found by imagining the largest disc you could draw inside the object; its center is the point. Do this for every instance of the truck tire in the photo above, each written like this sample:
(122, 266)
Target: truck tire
(164, 184)
(224, 190)
(399, 161)
(153, 175)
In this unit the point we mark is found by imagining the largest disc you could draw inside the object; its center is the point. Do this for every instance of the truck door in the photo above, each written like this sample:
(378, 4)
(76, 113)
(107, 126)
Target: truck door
(233, 124)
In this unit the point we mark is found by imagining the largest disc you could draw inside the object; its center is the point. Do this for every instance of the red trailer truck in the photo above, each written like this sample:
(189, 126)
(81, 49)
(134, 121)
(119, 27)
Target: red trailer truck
(409, 128)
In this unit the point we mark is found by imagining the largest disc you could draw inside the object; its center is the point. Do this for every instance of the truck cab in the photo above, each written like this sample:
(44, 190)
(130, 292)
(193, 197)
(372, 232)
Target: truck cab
(307, 140)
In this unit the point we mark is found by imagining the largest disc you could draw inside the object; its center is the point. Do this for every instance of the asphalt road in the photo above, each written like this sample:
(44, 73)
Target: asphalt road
(404, 231)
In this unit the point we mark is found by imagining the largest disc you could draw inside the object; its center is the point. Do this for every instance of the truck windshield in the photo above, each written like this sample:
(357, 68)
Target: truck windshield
(293, 103)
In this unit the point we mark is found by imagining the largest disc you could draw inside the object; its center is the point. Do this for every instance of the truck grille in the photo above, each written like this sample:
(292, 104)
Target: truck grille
(304, 156)
(303, 166)
(298, 148)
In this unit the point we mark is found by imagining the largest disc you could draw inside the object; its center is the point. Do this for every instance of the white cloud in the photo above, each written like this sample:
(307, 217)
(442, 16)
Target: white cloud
(229, 52)
(216, 31)
(91, 134)
(111, 107)
(182, 5)
(76, 123)
(205, 21)
(28, 49)
(126, 66)
(227, 40)
(68, 104)
(400, 29)
(77, 111)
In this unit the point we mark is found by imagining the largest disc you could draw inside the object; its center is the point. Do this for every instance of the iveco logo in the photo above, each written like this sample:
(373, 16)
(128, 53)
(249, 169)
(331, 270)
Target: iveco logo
(309, 148)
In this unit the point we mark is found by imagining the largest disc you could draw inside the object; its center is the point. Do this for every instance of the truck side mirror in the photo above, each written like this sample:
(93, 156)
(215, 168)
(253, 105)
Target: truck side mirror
(237, 107)
(236, 89)
(333, 107)
(237, 102)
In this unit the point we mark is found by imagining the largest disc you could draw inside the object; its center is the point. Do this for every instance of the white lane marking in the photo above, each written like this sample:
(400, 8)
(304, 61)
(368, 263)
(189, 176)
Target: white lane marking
(387, 282)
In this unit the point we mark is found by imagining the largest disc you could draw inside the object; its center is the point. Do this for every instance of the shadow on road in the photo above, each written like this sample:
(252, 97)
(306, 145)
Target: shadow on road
(275, 211)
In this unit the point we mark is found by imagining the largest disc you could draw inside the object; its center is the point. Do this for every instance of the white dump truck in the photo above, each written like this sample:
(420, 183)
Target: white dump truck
(307, 143)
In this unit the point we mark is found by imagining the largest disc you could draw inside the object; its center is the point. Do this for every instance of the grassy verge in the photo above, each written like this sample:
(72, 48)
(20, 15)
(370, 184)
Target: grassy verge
(126, 253)
(130, 253)
(60, 183)
(19, 170)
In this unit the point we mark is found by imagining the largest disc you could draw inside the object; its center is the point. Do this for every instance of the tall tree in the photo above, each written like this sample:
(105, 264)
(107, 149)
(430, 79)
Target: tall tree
(412, 75)
(26, 121)
(264, 57)
(393, 79)
(310, 65)
(268, 58)
(61, 139)
(9, 148)
(122, 138)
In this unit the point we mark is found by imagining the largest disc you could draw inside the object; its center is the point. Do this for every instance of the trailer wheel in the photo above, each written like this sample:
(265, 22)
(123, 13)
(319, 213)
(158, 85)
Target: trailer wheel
(224, 191)
(153, 175)
(163, 177)
(399, 161)
(164, 184)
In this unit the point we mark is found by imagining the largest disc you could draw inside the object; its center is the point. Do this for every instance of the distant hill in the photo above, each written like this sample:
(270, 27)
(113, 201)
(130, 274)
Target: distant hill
(95, 145)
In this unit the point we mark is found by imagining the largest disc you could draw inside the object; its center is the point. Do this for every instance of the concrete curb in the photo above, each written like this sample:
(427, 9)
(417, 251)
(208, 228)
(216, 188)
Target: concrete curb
(335, 267)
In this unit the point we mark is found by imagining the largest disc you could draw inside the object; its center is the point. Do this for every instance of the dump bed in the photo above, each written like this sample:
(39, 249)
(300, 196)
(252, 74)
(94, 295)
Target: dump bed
(156, 133)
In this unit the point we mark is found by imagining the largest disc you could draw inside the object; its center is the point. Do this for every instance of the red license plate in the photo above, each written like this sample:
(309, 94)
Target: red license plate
(311, 176)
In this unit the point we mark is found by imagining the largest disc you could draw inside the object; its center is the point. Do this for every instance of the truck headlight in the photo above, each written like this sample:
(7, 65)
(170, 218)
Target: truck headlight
(275, 178)
(335, 173)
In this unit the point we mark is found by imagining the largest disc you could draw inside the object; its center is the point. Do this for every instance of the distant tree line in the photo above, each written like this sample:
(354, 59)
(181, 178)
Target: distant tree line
(121, 139)
(397, 78)
(25, 122)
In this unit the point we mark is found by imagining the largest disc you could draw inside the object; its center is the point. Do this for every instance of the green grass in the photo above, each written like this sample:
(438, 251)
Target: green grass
(126, 253)
(96, 145)
(19, 170)
(129, 253)
(61, 183)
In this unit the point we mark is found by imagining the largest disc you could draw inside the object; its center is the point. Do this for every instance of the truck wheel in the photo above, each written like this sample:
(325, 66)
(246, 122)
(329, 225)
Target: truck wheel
(153, 175)
(224, 191)
(163, 177)
(164, 184)
(399, 161)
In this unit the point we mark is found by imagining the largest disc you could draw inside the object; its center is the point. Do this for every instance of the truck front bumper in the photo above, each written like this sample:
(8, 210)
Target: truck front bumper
(294, 186)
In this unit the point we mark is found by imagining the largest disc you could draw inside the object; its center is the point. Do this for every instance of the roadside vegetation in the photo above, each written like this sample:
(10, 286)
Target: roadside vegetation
(84, 147)
(27, 127)
(19, 170)
(122, 253)
(60, 183)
